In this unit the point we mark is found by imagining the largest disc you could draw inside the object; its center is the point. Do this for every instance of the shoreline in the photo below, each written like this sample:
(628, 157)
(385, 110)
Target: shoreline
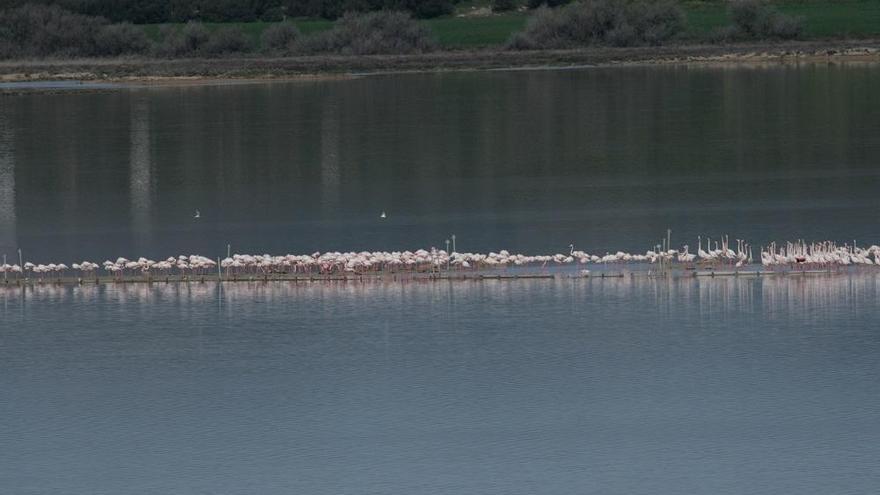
(185, 72)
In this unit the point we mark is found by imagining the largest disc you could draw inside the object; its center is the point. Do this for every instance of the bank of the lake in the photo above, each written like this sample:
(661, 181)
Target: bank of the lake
(256, 67)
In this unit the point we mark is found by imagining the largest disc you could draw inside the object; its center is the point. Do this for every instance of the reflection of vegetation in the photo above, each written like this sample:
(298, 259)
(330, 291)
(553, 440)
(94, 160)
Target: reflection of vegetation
(628, 125)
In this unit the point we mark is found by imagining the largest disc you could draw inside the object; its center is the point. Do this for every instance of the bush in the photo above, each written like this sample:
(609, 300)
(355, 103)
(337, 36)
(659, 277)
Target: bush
(725, 34)
(756, 19)
(121, 39)
(226, 40)
(194, 39)
(8, 50)
(371, 33)
(655, 21)
(186, 41)
(42, 30)
(279, 37)
(544, 29)
(503, 5)
(785, 27)
(605, 22)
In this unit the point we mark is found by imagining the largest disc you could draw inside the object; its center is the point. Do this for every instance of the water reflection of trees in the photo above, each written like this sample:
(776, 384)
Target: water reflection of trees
(565, 150)
(140, 175)
(8, 238)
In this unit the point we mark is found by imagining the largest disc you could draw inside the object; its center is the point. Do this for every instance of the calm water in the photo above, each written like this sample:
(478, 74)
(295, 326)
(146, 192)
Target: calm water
(528, 161)
(559, 387)
(709, 386)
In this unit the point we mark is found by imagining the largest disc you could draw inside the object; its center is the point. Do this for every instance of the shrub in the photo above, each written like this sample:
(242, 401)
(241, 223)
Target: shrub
(785, 27)
(503, 5)
(725, 34)
(757, 19)
(41, 30)
(655, 21)
(8, 50)
(186, 41)
(121, 39)
(226, 40)
(279, 37)
(194, 39)
(606, 22)
(371, 33)
(748, 16)
(544, 29)
(273, 14)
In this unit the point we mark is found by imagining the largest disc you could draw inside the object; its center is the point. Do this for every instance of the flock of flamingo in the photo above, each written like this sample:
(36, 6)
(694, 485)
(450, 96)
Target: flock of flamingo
(787, 256)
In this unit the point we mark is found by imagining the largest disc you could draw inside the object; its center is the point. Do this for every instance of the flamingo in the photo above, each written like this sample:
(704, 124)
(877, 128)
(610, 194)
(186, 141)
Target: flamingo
(790, 254)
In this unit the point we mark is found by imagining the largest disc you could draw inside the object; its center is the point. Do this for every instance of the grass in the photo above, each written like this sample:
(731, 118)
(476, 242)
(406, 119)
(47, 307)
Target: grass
(251, 29)
(470, 32)
(822, 19)
(854, 18)
(703, 18)
(451, 32)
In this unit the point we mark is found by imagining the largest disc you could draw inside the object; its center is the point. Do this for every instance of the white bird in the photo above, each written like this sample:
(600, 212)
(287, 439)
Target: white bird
(198, 214)
(383, 215)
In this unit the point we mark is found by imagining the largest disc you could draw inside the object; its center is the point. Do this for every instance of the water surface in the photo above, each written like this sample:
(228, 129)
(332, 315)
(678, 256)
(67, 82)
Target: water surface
(603, 386)
(630, 386)
(604, 158)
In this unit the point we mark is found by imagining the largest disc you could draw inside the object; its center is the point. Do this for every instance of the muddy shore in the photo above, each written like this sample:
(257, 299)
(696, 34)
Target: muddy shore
(195, 71)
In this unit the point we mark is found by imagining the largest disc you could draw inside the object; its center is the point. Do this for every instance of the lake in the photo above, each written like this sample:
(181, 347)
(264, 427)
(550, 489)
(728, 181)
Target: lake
(654, 386)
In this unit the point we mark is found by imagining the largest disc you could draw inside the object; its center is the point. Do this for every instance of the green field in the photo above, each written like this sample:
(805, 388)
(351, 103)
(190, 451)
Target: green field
(469, 32)
(821, 19)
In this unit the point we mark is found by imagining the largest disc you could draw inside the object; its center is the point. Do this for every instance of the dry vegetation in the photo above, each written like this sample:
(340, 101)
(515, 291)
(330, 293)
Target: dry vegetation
(602, 22)
(35, 31)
